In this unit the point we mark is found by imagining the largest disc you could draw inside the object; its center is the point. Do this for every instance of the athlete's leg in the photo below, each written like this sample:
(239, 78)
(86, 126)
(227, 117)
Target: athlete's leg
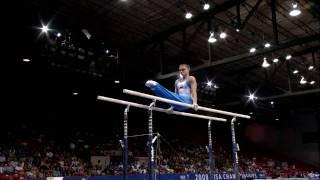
(161, 91)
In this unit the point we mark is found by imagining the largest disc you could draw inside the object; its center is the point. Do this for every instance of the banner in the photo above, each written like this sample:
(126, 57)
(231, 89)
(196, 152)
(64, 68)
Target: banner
(204, 176)
(54, 178)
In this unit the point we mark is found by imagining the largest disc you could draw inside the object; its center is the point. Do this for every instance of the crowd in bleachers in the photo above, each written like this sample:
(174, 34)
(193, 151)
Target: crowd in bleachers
(40, 157)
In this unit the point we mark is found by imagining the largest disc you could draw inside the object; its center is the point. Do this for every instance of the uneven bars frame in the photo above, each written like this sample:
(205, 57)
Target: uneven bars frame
(143, 95)
(117, 101)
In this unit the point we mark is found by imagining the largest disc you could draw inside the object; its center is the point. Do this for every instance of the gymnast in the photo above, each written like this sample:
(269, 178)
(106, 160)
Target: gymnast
(185, 89)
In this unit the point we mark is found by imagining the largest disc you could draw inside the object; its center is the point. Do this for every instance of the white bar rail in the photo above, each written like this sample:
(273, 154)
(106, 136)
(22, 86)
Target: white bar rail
(143, 95)
(159, 109)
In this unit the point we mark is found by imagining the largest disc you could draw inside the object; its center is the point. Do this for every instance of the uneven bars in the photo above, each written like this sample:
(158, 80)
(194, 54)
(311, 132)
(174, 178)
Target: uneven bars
(143, 95)
(159, 109)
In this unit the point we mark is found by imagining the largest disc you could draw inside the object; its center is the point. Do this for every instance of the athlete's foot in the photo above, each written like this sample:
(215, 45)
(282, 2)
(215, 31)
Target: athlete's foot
(151, 83)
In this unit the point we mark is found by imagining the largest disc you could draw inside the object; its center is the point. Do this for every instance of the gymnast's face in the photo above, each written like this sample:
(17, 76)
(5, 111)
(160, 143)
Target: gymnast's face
(184, 70)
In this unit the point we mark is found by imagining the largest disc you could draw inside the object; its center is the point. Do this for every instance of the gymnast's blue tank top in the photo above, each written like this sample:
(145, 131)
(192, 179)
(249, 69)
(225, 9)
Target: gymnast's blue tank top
(183, 88)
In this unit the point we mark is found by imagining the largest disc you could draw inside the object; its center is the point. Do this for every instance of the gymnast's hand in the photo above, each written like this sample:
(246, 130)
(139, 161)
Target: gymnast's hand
(195, 106)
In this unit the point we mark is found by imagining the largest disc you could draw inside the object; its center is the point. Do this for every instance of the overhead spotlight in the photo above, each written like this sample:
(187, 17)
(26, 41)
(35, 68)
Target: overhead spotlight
(188, 15)
(312, 82)
(44, 29)
(209, 83)
(252, 97)
(267, 45)
(116, 81)
(212, 39)
(275, 60)
(295, 11)
(295, 71)
(223, 35)
(252, 50)
(265, 63)
(206, 6)
(310, 67)
(288, 57)
(26, 60)
(303, 80)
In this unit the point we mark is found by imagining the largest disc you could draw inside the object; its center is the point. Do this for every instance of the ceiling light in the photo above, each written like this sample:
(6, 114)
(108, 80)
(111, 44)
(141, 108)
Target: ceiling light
(206, 6)
(44, 28)
(265, 63)
(312, 82)
(271, 102)
(303, 80)
(237, 29)
(277, 119)
(212, 39)
(252, 97)
(267, 45)
(288, 57)
(26, 60)
(295, 72)
(275, 60)
(310, 67)
(188, 15)
(295, 11)
(58, 34)
(223, 35)
(117, 81)
(252, 50)
(75, 93)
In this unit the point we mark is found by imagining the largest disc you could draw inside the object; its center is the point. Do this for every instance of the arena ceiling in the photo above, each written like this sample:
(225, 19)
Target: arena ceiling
(150, 38)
